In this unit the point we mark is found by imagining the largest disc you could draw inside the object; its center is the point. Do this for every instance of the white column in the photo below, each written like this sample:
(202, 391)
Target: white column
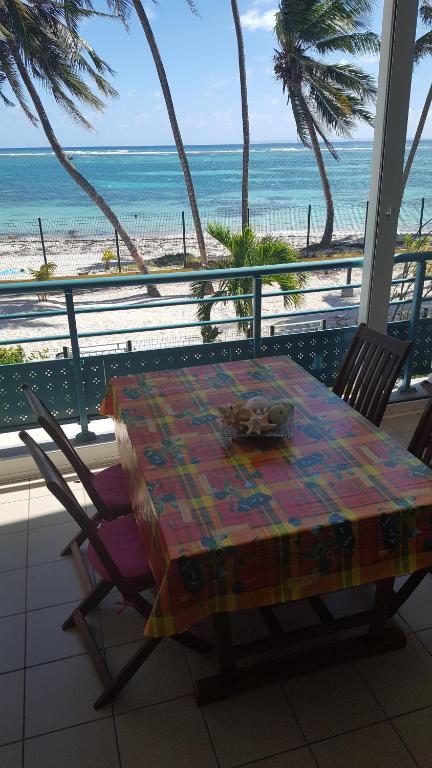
(394, 87)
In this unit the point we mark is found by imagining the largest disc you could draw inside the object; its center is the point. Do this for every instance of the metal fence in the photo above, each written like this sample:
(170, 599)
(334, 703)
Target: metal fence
(77, 245)
(73, 386)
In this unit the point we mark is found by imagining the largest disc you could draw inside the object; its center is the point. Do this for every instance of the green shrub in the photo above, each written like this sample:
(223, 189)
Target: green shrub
(44, 272)
(107, 256)
(11, 355)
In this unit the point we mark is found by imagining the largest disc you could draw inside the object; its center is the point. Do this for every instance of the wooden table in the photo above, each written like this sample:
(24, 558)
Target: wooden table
(231, 525)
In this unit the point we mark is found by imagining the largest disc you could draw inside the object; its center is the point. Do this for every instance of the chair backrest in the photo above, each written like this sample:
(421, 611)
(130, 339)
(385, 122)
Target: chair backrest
(421, 441)
(369, 371)
(60, 489)
(50, 424)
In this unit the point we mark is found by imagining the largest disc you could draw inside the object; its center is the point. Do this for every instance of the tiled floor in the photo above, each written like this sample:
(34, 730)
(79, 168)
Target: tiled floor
(377, 712)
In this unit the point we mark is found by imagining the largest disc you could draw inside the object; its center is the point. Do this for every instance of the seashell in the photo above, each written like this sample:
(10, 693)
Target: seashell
(278, 412)
(257, 403)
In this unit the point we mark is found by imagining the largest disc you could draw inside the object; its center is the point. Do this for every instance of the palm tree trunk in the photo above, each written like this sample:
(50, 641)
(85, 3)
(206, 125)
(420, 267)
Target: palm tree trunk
(328, 230)
(417, 137)
(245, 113)
(72, 171)
(174, 126)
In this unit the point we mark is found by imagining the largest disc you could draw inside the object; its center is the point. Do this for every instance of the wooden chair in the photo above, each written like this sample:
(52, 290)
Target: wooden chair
(421, 441)
(117, 554)
(107, 489)
(369, 372)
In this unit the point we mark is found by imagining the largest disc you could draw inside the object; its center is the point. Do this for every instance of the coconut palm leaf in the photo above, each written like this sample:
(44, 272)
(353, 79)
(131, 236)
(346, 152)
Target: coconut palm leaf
(326, 98)
(246, 250)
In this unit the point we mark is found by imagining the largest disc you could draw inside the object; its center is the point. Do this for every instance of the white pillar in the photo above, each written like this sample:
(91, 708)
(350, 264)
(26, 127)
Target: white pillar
(394, 88)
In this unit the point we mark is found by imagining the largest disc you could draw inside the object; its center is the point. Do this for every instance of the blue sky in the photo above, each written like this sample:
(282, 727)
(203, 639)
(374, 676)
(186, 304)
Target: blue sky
(200, 56)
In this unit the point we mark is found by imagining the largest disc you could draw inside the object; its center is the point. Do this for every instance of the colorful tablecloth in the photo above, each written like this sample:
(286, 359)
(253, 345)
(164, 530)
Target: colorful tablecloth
(233, 524)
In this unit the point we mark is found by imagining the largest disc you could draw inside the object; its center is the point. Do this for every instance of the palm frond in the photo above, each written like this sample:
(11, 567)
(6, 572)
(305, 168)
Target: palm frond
(356, 43)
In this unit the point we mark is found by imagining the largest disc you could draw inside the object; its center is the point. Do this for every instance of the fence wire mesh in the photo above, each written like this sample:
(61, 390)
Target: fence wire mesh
(77, 245)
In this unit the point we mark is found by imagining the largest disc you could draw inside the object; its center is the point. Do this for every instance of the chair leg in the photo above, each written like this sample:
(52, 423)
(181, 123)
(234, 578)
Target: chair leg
(89, 602)
(128, 671)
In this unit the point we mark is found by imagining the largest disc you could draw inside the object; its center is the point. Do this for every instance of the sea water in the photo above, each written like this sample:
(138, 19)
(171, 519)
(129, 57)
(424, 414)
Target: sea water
(149, 180)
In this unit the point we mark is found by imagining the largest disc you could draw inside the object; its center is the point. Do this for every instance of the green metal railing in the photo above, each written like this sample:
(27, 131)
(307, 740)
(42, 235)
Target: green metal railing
(74, 387)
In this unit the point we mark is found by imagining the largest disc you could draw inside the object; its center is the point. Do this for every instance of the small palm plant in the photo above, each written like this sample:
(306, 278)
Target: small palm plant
(246, 250)
(44, 272)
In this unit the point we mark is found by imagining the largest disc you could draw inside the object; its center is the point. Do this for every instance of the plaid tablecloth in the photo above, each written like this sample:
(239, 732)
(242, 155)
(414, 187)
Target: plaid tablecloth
(230, 525)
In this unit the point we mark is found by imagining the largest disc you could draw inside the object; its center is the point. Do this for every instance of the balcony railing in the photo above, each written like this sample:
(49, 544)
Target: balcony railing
(73, 387)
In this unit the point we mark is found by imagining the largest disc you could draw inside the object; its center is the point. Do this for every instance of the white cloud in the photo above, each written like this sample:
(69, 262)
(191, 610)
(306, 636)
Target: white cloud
(254, 20)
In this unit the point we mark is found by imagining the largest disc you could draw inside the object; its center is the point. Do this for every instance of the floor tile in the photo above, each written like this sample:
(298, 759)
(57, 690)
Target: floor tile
(14, 515)
(166, 735)
(119, 625)
(47, 641)
(17, 492)
(297, 758)
(11, 706)
(53, 583)
(417, 610)
(349, 601)
(92, 745)
(401, 680)
(12, 592)
(375, 747)
(332, 701)
(255, 725)
(165, 675)
(425, 637)
(11, 755)
(415, 730)
(296, 615)
(12, 642)
(46, 510)
(13, 551)
(61, 694)
(45, 544)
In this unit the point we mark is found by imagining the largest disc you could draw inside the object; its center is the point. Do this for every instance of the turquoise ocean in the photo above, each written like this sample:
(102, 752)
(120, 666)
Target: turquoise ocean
(149, 180)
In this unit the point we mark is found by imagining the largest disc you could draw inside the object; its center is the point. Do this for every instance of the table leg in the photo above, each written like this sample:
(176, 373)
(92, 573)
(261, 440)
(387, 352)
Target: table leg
(383, 604)
(222, 630)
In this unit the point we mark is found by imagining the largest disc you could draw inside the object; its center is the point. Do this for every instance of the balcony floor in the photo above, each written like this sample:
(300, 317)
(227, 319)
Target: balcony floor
(377, 712)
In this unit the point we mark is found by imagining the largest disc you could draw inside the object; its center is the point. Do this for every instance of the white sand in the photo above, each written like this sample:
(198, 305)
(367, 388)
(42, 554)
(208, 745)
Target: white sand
(14, 329)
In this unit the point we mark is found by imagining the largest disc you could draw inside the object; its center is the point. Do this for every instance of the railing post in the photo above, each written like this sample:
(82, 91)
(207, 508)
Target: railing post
(257, 316)
(348, 291)
(414, 322)
(421, 216)
(184, 237)
(117, 250)
(85, 436)
(42, 241)
(308, 230)
(365, 226)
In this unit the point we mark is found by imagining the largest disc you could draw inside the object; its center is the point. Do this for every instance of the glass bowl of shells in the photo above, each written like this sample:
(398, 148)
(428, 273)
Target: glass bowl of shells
(258, 417)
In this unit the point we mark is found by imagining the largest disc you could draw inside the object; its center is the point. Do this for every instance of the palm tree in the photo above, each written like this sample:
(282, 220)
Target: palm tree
(325, 98)
(122, 8)
(40, 41)
(246, 250)
(245, 113)
(423, 47)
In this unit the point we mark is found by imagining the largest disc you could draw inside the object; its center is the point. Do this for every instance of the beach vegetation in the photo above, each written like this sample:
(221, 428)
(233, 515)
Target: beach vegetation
(326, 98)
(16, 354)
(423, 48)
(404, 291)
(245, 114)
(106, 258)
(45, 272)
(40, 45)
(245, 249)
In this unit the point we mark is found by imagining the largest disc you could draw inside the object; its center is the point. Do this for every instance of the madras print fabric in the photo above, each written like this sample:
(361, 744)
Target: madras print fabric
(235, 524)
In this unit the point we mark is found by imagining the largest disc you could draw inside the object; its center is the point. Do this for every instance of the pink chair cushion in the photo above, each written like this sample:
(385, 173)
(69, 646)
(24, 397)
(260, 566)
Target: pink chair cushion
(111, 486)
(122, 540)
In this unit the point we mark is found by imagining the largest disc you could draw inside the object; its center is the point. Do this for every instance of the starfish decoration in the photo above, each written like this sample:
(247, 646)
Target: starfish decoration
(234, 415)
(258, 424)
